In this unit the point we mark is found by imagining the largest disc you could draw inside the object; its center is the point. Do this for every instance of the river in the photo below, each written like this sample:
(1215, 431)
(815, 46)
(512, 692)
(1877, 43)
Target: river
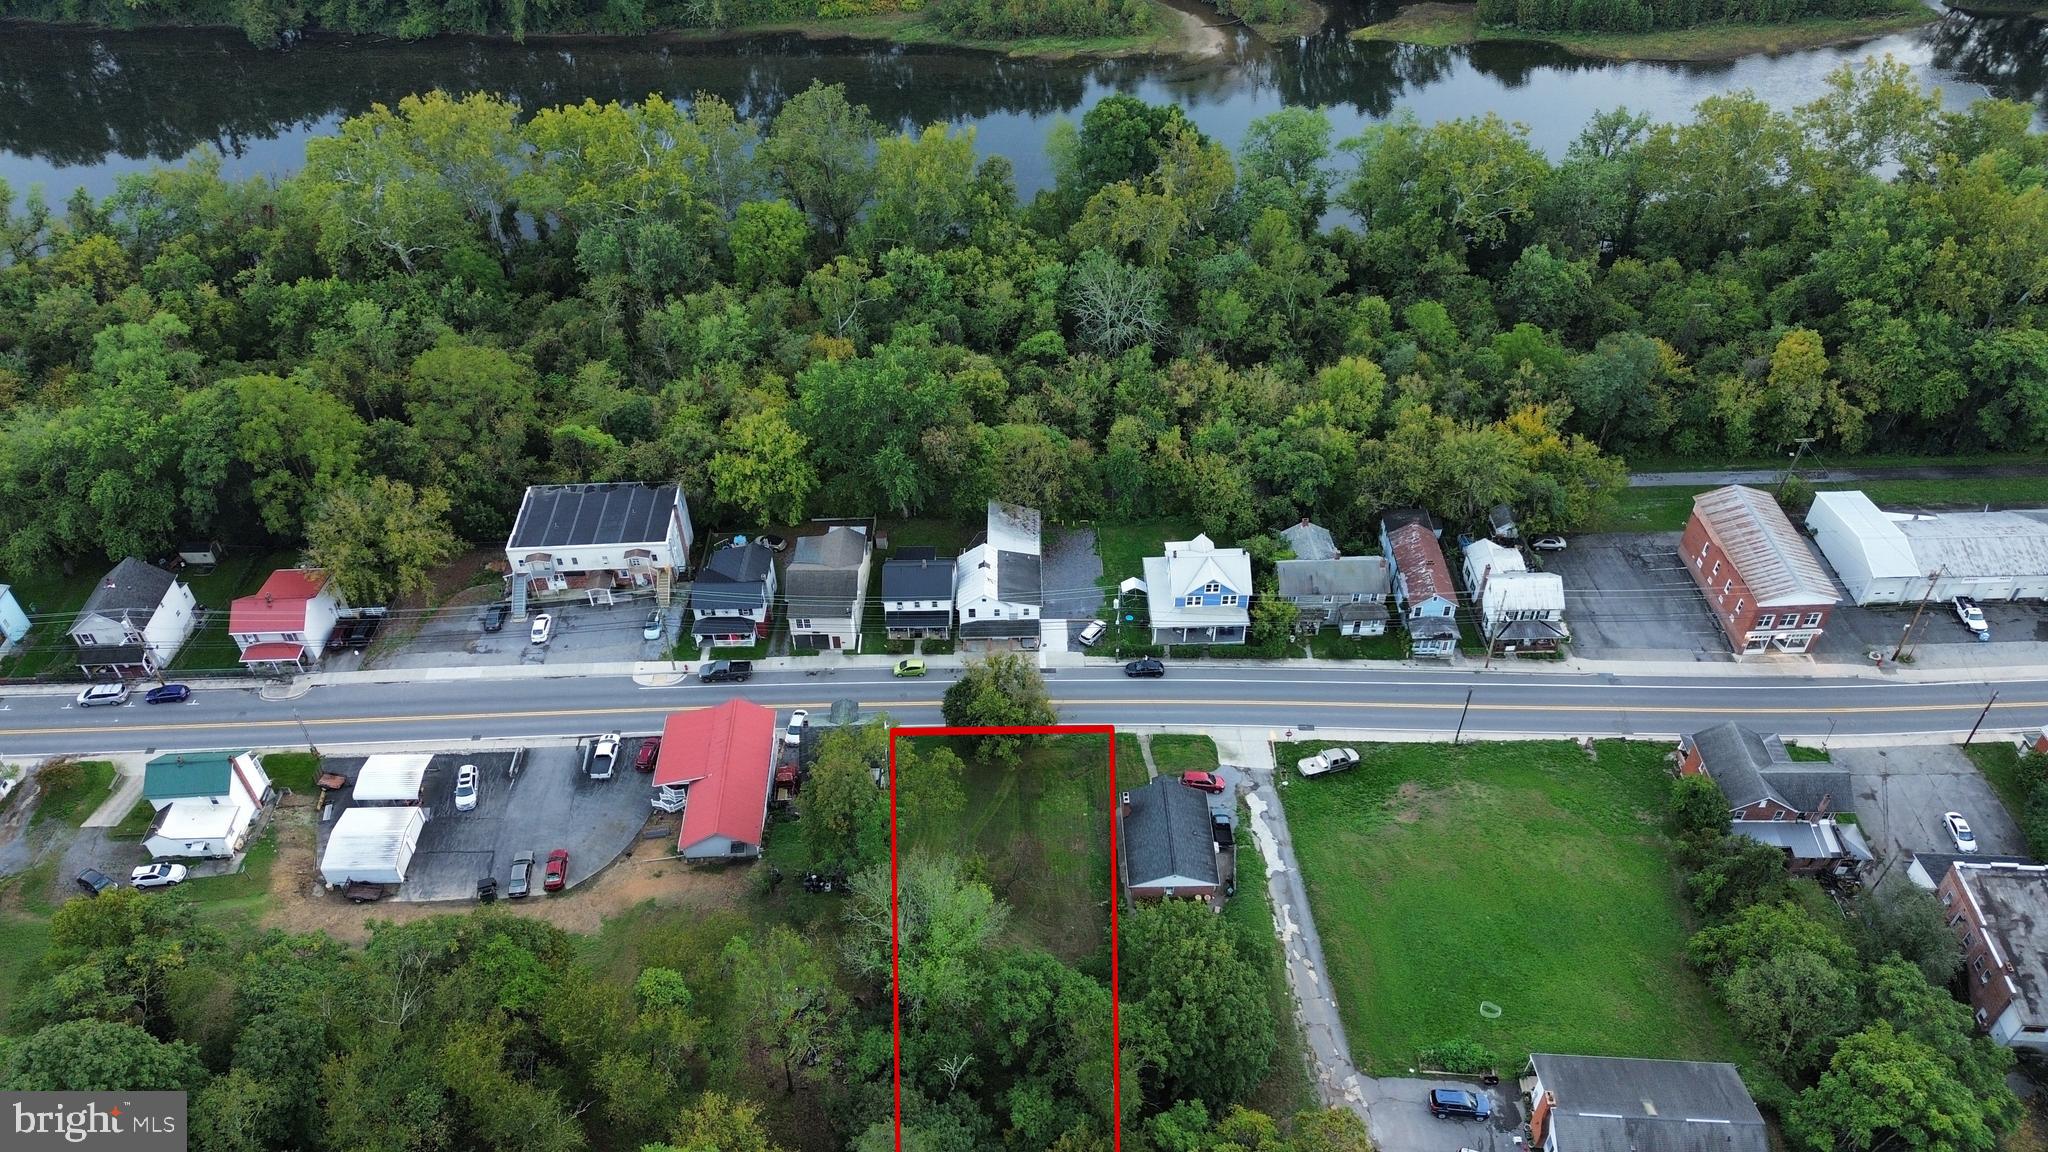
(79, 108)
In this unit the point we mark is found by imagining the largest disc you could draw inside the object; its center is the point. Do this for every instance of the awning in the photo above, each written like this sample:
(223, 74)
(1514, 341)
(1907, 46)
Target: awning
(272, 653)
(917, 619)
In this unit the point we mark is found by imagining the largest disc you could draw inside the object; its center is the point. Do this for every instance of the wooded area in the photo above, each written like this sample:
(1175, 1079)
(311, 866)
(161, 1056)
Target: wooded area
(818, 315)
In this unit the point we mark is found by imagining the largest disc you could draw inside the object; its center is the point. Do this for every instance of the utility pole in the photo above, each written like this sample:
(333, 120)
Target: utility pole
(1933, 578)
(1980, 719)
(1461, 717)
(1803, 441)
(307, 732)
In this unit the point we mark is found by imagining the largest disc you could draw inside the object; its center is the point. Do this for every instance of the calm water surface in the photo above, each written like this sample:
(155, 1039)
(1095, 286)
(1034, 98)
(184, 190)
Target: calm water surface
(79, 108)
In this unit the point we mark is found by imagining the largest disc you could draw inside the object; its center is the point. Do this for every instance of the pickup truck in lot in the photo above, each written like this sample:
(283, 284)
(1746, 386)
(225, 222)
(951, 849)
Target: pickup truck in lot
(1327, 761)
(603, 759)
(726, 672)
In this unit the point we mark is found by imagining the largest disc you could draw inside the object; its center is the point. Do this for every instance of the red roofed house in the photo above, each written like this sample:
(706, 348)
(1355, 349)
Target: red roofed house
(1423, 590)
(287, 622)
(722, 760)
(1762, 581)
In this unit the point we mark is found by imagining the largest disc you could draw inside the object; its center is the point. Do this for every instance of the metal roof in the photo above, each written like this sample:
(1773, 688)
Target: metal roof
(392, 776)
(280, 605)
(1339, 576)
(725, 754)
(1610, 1104)
(1419, 560)
(1773, 556)
(368, 842)
(580, 515)
(183, 774)
(1979, 544)
(1884, 549)
(1014, 528)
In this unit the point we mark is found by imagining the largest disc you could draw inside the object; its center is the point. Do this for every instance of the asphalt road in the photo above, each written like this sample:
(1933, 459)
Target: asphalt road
(1423, 703)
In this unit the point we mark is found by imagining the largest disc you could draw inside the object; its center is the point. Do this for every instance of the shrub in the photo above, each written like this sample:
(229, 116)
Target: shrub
(1464, 1056)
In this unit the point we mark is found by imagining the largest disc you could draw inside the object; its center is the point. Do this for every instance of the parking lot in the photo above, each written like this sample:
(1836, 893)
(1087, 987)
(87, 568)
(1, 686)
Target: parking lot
(1853, 632)
(1628, 597)
(583, 634)
(1900, 794)
(549, 804)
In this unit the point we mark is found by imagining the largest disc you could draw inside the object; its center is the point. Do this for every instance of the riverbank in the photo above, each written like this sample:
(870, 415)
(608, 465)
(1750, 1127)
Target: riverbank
(1443, 25)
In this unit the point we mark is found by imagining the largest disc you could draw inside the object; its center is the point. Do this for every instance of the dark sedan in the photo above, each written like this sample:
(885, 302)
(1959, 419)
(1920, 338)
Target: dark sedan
(168, 694)
(1146, 667)
(495, 617)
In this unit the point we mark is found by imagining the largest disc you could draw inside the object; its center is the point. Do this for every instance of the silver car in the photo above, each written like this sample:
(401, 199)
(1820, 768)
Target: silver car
(100, 694)
(522, 876)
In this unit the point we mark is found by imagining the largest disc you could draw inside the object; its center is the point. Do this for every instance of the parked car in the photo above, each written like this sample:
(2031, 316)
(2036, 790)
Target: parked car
(1959, 831)
(1223, 827)
(909, 666)
(794, 734)
(1548, 543)
(1972, 617)
(168, 694)
(1458, 1104)
(467, 785)
(726, 672)
(495, 617)
(543, 629)
(157, 875)
(1149, 666)
(1203, 781)
(604, 756)
(522, 875)
(7, 786)
(95, 881)
(355, 632)
(657, 623)
(1092, 633)
(1327, 761)
(558, 870)
(650, 751)
(100, 694)
(772, 543)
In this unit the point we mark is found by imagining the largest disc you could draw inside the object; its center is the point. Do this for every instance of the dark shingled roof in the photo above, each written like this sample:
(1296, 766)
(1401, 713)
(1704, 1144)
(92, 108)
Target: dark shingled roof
(1608, 1104)
(1737, 757)
(733, 579)
(579, 515)
(1344, 576)
(130, 593)
(1804, 789)
(824, 572)
(1017, 577)
(722, 625)
(114, 655)
(927, 578)
(1167, 833)
(1008, 627)
(916, 619)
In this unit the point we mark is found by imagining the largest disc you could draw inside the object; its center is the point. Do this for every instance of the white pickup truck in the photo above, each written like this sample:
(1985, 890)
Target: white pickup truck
(1328, 761)
(604, 757)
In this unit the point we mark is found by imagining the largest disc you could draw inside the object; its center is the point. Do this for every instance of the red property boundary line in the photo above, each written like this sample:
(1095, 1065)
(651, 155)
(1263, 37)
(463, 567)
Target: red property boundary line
(1116, 1095)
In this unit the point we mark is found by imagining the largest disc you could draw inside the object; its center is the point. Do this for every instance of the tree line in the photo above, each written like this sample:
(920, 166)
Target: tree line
(1653, 15)
(1856, 1017)
(811, 314)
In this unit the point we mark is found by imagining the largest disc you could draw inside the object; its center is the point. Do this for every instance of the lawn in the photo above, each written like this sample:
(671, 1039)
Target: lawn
(1328, 645)
(70, 805)
(1040, 833)
(1801, 754)
(2000, 763)
(22, 942)
(240, 573)
(1174, 754)
(135, 825)
(1286, 1089)
(1524, 875)
(1666, 509)
(292, 771)
(51, 599)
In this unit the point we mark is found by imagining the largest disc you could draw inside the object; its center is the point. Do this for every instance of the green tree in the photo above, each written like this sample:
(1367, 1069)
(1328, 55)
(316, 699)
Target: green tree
(1883, 1088)
(298, 442)
(765, 468)
(1792, 1005)
(945, 925)
(1909, 921)
(818, 150)
(1699, 809)
(1000, 690)
(718, 1123)
(99, 1056)
(783, 991)
(770, 241)
(380, 539)
(1209, 1039)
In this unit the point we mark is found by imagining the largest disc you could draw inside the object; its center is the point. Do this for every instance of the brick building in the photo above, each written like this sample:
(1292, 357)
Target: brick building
(1763, 583)
(1999, 913)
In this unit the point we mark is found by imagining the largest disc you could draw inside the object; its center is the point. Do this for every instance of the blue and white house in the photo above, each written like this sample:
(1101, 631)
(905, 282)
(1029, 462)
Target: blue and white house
(1199, 593)
(13, 621)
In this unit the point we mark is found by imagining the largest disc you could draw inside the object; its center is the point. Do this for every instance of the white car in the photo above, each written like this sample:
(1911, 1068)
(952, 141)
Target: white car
(1959, 831)
(794, 735)
(157, 875)
(1548, 544)
(1092, 633)
(657, 623)
(100, 694)
(543, 628)
(467, 785)
(1327, 761)
(1972, 617)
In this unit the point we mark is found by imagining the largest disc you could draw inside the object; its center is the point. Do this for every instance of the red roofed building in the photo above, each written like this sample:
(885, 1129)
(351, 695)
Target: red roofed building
(723, 760)
(1423, 590)
(287, 622)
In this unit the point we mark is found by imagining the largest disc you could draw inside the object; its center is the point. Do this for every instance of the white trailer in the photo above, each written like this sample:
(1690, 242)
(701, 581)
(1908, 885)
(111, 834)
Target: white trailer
(372, 846)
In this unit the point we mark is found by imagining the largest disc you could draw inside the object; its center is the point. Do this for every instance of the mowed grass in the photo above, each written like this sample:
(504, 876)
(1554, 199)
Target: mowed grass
(1175, 754)
(292, 771)
(1527, 875)
(1039, 833)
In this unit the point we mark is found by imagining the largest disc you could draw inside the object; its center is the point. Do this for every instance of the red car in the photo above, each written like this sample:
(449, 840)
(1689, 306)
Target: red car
(643, 760)
(558, 871)
(1202, 781)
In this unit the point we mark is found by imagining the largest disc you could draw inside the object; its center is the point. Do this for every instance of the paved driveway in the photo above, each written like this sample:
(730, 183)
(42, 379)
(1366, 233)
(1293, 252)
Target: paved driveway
(1628, 597)
(1068, 579)
(1401, 1121)
(1901, 793)
(584, 634)
(551, 804)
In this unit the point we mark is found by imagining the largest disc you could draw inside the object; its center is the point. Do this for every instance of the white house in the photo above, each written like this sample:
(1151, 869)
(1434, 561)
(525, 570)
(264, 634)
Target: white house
(372, 846)
(287, 621)
(996, 595)
(1198, 593)
(206, 802)
(1519, 610)
(593, 541)
(825, 588)
(134, 622)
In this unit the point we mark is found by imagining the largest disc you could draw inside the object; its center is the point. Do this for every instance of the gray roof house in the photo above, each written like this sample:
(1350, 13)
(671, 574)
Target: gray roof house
(825, 587)
(1613, 1104)
(731, 597)
(1776, 800)
(1347, 591)
(133, 624)
(917, 594)
(1309, 541)
(1167, 842)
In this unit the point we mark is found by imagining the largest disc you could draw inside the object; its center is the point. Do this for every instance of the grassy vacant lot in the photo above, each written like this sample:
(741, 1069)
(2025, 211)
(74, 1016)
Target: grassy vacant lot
(2000, 763)
(51, 599)
(22, 942)
(295, 771)
(1392, 645)
(1040, 832)
(1665, 509)
(1527, 875)
(1174, 754)
(1442, 25)
(74, 801)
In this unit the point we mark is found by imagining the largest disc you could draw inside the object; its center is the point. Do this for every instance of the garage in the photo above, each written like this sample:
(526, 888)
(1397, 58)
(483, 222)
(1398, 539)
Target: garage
(1893, 558)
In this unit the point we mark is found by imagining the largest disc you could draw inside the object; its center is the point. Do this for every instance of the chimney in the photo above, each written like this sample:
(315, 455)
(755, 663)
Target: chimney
(1304, 521)
(266, 599)
(1127, 801)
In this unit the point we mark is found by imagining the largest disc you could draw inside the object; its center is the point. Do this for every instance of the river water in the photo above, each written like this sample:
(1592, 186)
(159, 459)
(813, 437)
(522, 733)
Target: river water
(79, 108)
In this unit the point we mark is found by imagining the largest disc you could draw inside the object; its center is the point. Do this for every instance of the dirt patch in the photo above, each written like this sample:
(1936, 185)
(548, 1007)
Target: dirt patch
(1198, 38)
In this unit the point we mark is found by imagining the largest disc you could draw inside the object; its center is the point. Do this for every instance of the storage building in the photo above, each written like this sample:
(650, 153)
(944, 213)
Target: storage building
(1869, 553)
(393, 778)
(1892, 558)
(372, 846)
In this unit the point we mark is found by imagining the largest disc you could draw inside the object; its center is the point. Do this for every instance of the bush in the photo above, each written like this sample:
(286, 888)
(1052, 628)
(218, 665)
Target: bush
(1699, 809)
(1464, 1056)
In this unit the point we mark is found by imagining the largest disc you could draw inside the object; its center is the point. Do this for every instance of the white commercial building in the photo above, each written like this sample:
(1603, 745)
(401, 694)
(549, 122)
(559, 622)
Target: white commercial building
(1886, 558)
(372, 846)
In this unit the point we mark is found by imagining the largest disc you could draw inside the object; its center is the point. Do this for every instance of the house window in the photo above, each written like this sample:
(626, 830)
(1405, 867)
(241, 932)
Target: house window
(1978, 963)
(804, 624)
(1230, 601)
(1813, 619)
(1716, 571)
(1766, 620)
(1727, 586)
(1969, 938)
(971, 612)
(1212, 587)
(1948, 898)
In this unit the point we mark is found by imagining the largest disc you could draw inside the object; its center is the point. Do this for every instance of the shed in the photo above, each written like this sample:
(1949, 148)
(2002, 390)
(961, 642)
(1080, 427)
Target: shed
(392, 778)
(372, 846)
